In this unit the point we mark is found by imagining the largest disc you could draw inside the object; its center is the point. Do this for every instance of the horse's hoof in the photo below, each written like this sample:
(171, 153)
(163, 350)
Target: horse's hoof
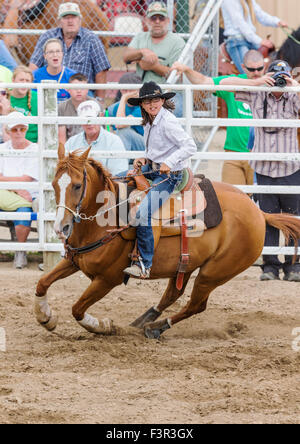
(52, 323)
(155, 329)
(152, 333)
(151, 315)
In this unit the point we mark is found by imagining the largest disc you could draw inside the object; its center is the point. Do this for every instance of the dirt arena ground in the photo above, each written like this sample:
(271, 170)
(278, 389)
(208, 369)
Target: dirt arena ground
(234, 363)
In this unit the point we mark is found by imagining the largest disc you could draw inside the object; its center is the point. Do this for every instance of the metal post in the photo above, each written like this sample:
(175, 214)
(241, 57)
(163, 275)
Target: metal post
(49, 141)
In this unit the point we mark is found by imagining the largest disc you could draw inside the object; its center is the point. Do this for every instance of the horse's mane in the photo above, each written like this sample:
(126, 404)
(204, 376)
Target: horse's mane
(74, 162)
(290, 50)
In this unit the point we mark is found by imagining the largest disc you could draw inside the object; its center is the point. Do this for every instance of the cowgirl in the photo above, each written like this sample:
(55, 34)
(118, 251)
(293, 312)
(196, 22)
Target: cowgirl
(168, 147)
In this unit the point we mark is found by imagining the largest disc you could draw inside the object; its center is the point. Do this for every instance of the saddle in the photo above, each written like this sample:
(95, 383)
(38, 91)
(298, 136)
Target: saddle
(192, 208)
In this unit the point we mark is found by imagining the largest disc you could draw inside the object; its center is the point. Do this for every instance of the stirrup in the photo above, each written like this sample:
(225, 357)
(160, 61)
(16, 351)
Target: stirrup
(138, 272)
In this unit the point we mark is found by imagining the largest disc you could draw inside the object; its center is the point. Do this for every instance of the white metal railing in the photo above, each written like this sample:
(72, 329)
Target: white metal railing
(188, 121)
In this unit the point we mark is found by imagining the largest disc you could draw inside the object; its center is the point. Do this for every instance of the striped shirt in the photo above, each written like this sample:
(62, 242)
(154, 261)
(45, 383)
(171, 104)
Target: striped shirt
(85, 55)
(283, 141)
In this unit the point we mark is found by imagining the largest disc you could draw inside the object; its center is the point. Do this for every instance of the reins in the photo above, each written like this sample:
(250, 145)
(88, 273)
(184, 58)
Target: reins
(290, 35)
(82, 216)
(72, 251)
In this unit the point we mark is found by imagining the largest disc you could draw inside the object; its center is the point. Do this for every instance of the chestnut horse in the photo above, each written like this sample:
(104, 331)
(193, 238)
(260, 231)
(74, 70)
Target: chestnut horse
(219, 254)
(20, 17)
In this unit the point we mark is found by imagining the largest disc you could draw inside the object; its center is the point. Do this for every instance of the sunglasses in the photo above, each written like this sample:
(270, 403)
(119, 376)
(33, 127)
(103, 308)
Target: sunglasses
(3, 93)
(16, 130)
(161, 18)
(148, 101)
(260, 68)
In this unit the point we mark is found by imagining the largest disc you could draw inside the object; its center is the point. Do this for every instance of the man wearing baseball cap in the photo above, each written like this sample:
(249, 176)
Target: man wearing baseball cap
(97, 137)
(83, 50)
(156, 50)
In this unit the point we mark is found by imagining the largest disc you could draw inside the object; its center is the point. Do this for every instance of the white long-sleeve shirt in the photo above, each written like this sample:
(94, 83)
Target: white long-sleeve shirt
(236, 24)
(168, 142)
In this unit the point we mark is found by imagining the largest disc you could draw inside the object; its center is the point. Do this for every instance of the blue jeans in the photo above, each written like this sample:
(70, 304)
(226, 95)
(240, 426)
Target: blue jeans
(237, 49)
(26, 223)
(132, 140)
(150, 204)
(178, 102)
(6, 59)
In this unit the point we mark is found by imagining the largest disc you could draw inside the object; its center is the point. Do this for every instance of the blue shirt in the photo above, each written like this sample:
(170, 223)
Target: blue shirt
(85, 55)
(134, 111)
(106, 142)
(42, 74)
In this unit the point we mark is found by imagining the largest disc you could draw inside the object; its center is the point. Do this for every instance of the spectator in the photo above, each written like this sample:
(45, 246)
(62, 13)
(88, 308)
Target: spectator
(266, 105)
(18, 169)
(98, 138)
(83, 50)
(69, 107)
(6, 59)
(156, 50)
(239, 30)
(132, 136)
(24, 100)
(55, 70)
(5, 74)
(236, 172)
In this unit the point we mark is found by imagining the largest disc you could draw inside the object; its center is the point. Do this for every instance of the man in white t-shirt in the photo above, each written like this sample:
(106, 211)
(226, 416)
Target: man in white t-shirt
(18, 169)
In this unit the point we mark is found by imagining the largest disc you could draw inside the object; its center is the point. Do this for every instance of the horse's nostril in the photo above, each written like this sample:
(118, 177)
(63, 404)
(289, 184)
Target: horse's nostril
(66, 229)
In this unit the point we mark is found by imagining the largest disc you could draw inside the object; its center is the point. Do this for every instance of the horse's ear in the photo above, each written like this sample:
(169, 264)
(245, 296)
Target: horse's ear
(61, 151)
(85, 155)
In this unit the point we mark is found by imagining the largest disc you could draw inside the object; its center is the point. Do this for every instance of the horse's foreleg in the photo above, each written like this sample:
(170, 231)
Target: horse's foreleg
(96, 291)
(44, 315)
(170, 295)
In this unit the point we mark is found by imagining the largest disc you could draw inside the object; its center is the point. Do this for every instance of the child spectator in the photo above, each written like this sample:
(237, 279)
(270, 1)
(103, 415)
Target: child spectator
(69, 107)
(132, 136)
(54, 69)
(24, 100)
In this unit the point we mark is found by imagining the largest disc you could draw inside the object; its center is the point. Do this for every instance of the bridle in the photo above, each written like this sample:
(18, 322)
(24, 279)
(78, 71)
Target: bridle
(76, 213)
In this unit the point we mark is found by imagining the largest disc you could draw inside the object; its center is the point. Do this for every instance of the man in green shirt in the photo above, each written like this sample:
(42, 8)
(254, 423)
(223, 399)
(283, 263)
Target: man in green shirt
(156, 50)
(236, 172)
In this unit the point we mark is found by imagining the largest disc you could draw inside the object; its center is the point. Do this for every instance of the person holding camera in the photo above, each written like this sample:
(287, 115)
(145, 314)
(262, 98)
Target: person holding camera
(275, 105)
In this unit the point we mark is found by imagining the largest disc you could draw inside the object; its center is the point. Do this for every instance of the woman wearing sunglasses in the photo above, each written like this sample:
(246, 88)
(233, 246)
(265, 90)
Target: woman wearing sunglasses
(239, 17)
(18, 169)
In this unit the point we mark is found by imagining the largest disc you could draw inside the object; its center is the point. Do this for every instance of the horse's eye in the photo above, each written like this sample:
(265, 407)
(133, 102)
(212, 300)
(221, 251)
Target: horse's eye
(77, 186)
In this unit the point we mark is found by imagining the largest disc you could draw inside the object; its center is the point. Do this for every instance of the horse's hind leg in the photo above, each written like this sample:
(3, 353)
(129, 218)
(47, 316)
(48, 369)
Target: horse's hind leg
(44, 315)
(196, 304)
(170, 295)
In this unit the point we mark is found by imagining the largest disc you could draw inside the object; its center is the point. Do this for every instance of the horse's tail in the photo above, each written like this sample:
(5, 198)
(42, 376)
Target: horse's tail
(288, 224)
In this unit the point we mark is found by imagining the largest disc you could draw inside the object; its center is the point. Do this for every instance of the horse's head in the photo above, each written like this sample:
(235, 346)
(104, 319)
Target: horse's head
(69, 185)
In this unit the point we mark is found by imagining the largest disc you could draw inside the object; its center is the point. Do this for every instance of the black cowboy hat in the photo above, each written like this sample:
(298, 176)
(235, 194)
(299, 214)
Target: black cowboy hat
(150, 90)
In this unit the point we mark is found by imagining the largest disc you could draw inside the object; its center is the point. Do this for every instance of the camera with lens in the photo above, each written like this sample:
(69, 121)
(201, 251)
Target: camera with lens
(280, 81)
(281, 69)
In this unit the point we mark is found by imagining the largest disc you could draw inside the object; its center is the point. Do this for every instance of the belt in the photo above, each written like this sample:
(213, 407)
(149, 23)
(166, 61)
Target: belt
(156, 167)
